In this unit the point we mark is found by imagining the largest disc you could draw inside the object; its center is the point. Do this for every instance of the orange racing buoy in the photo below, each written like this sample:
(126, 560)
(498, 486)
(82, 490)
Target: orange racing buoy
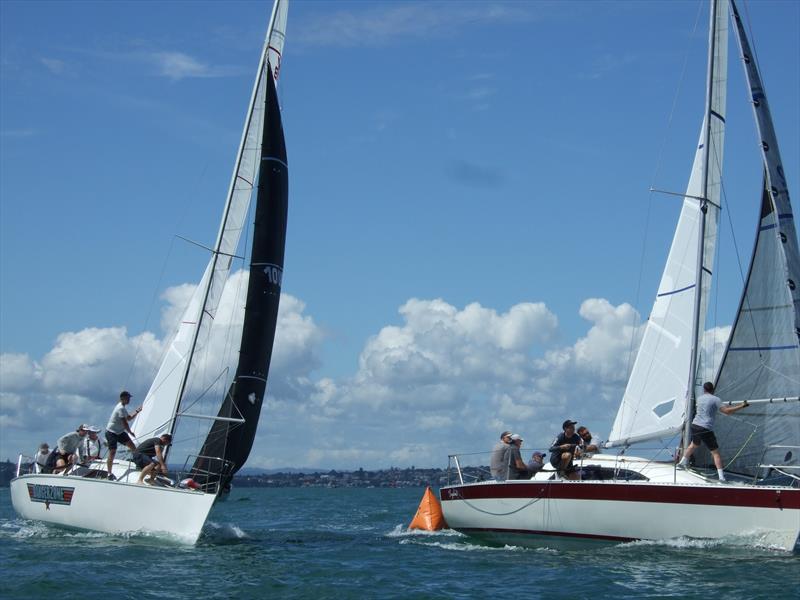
(429, 514)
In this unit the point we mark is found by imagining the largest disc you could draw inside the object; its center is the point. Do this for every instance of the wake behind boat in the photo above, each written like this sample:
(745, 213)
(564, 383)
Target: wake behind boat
(621, 497)
(84, 497)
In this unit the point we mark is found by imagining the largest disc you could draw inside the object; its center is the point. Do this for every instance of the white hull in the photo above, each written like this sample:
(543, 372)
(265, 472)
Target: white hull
(524, 512)
(114, 507)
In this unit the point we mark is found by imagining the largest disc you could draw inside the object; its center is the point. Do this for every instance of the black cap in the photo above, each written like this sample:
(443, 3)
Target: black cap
(567, 423)
(125, 394)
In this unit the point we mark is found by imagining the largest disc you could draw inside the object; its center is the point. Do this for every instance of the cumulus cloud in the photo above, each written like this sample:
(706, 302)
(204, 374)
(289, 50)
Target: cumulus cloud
(79, 379)
(441, 380)
(446, 379)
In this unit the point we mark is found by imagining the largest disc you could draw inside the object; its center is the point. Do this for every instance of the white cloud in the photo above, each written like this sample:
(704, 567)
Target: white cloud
(18, 371)
(714, 342)
(441, 380)
(54, 65)
(385, 24)
(177, 65)
(79, 379)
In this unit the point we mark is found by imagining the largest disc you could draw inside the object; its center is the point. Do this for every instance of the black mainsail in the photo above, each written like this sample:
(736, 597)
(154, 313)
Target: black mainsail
(230, 439)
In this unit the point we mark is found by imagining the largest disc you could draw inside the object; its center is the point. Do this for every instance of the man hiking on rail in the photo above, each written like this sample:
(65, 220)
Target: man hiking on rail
(703, 426)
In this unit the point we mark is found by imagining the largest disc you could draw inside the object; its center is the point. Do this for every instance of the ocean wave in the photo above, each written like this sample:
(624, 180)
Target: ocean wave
(21, 529)
(466, 546)
(223, 532)
(401, 531)
(761, 540)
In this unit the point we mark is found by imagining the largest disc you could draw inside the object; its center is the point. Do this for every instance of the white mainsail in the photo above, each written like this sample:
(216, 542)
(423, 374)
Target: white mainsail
(655, 399)
(162, 401)
(762, 359)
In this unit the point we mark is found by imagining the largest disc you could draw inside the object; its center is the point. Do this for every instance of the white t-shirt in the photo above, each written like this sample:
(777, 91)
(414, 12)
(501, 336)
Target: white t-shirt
(116, 423)
(90, 448)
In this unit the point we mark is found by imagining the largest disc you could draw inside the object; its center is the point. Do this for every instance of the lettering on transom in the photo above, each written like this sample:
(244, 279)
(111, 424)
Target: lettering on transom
(50, 494)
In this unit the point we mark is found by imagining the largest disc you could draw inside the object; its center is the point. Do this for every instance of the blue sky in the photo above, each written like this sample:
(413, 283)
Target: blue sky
(442, 156)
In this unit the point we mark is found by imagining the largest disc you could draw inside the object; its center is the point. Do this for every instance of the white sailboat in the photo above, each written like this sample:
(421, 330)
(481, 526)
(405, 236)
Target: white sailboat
(627, 498)
(79, 499)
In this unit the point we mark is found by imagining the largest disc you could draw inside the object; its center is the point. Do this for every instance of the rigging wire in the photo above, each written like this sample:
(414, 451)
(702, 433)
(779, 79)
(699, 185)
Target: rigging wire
(138, 344)
(182, 215)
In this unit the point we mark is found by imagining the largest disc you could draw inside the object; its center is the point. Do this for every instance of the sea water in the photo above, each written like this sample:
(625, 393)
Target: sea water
(352, 543)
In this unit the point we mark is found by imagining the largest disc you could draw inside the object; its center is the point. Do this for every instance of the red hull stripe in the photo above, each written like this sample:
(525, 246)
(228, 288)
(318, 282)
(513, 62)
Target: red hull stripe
(787, 498)
(586, 536)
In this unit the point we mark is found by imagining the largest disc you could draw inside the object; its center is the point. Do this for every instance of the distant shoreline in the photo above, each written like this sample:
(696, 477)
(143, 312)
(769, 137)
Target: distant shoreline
(361, 478)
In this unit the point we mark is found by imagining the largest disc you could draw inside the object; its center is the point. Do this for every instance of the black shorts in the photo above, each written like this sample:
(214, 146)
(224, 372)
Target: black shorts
(142, 460)
(114, 438)
(706, 436)
(555, 460)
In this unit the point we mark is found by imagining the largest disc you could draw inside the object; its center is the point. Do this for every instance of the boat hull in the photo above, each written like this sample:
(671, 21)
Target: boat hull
(114, 507)
(537, 512)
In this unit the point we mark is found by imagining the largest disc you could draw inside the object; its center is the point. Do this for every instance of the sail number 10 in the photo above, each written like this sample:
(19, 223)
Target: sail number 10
(274, 274)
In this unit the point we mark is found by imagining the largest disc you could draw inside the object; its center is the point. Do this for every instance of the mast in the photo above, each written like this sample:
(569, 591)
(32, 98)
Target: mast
(701, 238)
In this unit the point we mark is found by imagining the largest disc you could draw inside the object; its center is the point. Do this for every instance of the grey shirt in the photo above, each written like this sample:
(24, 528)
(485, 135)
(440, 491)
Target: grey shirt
(513, 471)
(116, 423)
(707, 409)
(499, 464)
(70, 442)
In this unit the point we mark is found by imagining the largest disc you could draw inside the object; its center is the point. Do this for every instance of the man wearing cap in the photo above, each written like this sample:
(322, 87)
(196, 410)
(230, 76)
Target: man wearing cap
(517, 469)
(118, 431)
(564, 449)
(91, 447)
(66, 451)
(499, 463)
(536, 463)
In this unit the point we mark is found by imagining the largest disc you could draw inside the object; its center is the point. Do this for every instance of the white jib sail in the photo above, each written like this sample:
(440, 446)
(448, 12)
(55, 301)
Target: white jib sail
(654, 402)
(162, 400)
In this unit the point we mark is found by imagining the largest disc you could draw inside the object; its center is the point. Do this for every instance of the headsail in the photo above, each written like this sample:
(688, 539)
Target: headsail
(163, 400)
(762, 360)
(227, 440)
(654, 403)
